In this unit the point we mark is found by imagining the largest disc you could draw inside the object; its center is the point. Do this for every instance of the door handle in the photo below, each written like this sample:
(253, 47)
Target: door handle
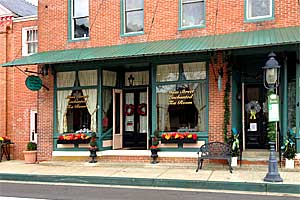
(298, 104)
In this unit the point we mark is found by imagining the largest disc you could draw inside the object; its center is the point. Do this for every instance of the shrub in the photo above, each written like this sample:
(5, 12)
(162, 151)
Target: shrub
(31, 146)
(289, 146)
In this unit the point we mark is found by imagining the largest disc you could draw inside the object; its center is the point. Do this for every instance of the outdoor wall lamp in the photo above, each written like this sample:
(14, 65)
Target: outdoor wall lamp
(130, 79)
(271, 72)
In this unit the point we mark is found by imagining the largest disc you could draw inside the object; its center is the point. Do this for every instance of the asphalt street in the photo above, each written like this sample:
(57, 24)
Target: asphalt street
(9, 191)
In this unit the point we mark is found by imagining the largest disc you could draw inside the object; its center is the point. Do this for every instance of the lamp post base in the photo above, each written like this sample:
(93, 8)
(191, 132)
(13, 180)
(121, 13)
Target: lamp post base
(273, 175)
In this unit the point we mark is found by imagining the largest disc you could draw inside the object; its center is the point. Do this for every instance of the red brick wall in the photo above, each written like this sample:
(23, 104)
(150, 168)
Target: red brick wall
(3, 81)
(105, 27)
(16, 100)
(105, 31)
(45, 119)
(216, 98)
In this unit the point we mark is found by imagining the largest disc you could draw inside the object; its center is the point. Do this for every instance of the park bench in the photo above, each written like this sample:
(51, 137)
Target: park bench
(214, 151)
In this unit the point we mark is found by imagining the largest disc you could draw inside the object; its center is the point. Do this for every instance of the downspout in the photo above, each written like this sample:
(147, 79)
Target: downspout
(298, 100)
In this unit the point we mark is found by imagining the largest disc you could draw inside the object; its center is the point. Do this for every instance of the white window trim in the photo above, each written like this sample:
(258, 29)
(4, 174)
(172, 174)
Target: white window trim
(124, 17)
(24, 40)
(259, 17)
(181, 12)
(33, 131)
(72, 21)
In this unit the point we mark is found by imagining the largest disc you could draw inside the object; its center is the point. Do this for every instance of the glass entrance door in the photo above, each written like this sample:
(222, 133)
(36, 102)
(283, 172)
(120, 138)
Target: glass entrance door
(136, 119)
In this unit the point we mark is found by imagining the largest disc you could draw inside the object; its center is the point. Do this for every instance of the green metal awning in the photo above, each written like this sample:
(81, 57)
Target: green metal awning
(261, 38)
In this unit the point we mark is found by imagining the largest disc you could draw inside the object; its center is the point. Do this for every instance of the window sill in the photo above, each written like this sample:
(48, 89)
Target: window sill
(191, 27)
(258, 19)
(79, 39)
(132, 34)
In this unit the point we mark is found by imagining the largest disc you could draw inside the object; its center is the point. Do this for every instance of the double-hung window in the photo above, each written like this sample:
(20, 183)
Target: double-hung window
(80, 19)
(133, 16)
(259, 9)
(29, 40)
(192, 13)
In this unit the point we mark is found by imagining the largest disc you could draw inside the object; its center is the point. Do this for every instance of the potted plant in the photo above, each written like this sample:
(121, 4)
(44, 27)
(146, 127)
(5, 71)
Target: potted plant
(289, 149)
(31, 153)
(154, 147)
(234, 144)
(93, 148)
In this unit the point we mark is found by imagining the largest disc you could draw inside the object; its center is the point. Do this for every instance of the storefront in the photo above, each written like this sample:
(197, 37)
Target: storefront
(125, 103)
(126, 92)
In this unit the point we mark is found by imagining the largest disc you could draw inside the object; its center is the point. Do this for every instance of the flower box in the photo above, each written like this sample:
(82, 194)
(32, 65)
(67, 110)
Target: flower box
(78, 138)
(79, 141)
(177, 137)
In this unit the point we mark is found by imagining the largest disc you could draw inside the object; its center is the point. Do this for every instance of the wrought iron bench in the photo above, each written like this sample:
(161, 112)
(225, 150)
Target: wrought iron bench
(216, 151)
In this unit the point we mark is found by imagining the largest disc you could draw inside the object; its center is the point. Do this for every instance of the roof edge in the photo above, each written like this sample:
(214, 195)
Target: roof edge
(26, 18)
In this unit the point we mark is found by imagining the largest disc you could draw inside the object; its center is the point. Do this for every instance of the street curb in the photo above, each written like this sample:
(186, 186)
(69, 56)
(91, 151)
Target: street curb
(152, 182)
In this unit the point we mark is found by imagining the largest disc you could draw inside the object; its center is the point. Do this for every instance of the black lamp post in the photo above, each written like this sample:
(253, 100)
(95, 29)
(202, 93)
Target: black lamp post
(271, 81)
(271, 72)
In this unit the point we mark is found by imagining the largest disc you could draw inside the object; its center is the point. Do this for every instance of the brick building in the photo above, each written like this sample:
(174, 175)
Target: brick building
(125, 68)
(18, 105)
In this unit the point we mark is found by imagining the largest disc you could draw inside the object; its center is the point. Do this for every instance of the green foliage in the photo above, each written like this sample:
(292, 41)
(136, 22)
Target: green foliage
(155, 138)
(271, 128)
(226, 104)
(31, 146)
(271, 131)
(93, 142)
(234, 143)
(289, 145)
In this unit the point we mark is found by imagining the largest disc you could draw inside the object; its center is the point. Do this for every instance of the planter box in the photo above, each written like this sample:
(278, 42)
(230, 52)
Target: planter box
(289, 164)
(73, 141)
(185, 140)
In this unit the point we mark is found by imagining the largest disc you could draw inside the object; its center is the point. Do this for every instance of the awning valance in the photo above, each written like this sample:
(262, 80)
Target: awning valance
(276, 36)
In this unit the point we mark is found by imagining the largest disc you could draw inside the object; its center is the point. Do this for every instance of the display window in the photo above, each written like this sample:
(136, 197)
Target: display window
(182, 106)
(76, 101)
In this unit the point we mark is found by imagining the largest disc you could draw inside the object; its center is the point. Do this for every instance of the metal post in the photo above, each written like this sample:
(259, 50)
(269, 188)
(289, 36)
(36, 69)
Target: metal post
(272, 175)
(298, 101)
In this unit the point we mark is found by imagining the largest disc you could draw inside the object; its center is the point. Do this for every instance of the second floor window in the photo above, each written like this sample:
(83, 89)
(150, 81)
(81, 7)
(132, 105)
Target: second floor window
(80, 19)
(30, 41)
(134, 16)
(258, 9)
(192, 13)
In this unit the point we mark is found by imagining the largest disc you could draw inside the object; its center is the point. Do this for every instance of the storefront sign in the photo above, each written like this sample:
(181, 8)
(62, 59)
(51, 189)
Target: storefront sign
(77, 101)
(33, 83)
(273, 108)
(183, 97)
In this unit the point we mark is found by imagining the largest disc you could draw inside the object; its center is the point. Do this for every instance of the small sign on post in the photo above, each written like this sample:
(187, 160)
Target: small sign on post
(273, 108)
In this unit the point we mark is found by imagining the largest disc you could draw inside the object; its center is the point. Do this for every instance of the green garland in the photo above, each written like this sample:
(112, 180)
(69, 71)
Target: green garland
(226, 104)
(271, 127)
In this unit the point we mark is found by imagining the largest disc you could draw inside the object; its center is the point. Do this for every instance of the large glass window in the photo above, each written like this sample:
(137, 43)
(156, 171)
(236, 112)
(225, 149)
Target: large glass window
(258, 9)
(192, 13)
(134, 16)
(181, 106)
(80, 19)
(76, 101)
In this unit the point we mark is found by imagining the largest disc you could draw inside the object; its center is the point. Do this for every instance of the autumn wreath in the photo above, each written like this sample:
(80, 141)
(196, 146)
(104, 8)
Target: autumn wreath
(129, 109)
(142, 109)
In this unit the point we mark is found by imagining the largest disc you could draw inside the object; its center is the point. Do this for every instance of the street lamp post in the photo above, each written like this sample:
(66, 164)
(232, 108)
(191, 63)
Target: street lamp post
(271, 81)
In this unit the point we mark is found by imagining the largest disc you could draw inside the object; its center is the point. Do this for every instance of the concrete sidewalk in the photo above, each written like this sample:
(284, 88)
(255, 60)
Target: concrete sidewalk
(158, 175)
